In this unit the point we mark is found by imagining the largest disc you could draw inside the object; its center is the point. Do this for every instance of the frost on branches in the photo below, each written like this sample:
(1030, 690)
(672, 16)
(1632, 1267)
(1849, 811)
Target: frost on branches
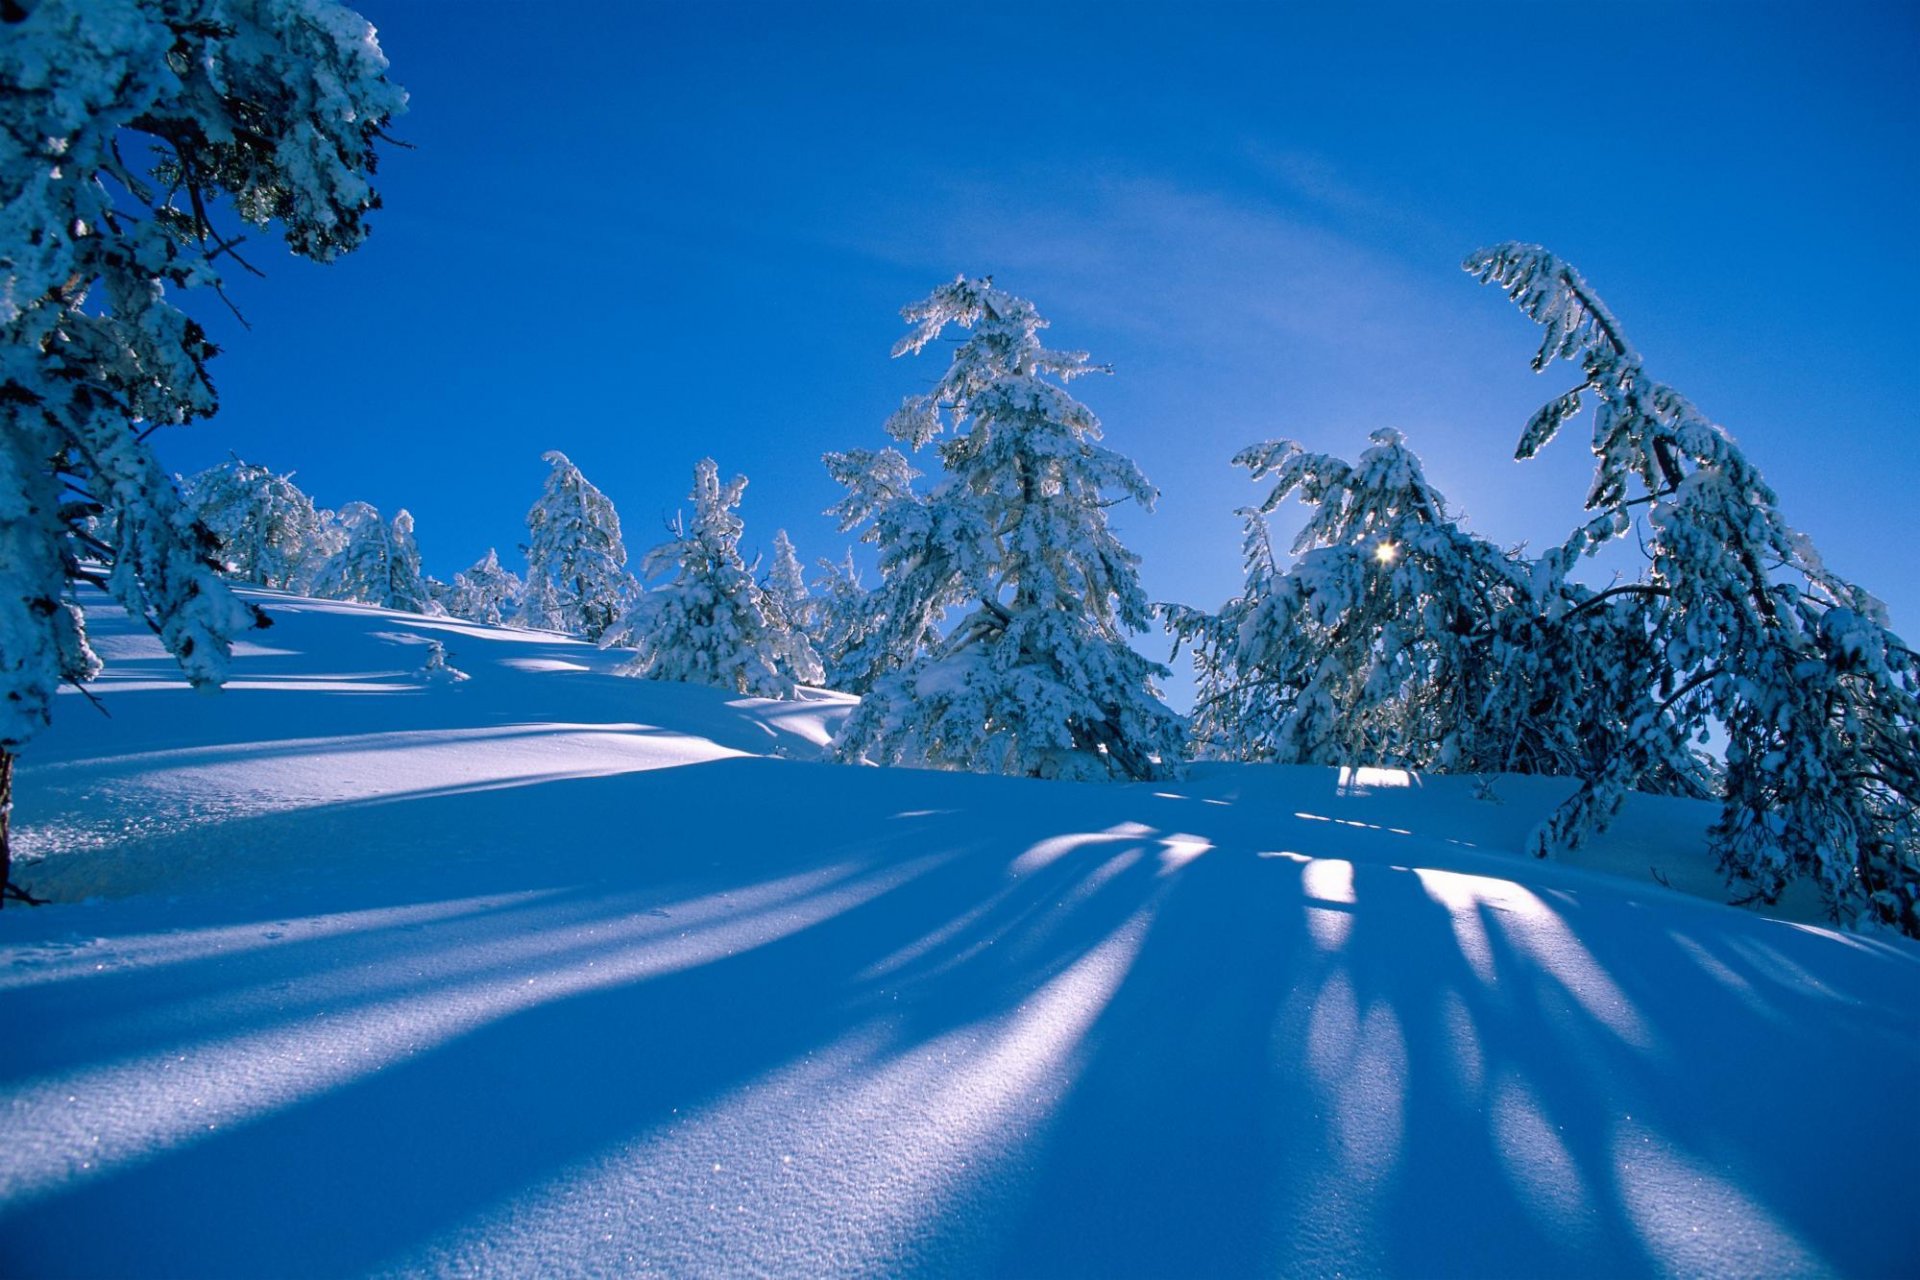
(122, 122)
(1740, 627)
(1399, 639)
(268, 531)
(485, 593)
(713, 624)
(577, 579)
(841, 625)
(1378, 646)
(1036, 678)
(379, 565)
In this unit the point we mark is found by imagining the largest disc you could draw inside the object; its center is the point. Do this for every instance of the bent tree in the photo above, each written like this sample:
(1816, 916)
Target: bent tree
(1739, 626)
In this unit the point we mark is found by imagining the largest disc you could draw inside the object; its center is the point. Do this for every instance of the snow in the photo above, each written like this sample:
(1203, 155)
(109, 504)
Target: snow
(554, 972)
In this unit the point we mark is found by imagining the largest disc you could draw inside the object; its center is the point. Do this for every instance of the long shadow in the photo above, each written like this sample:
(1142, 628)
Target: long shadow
(373, 1167)
(1315, 1062)
(1412, 1084)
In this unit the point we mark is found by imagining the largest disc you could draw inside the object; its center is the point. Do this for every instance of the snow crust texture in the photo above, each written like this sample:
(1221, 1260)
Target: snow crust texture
(552, 972)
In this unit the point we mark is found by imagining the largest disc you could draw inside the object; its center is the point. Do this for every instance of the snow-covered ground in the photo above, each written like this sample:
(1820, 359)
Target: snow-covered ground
(549, 972)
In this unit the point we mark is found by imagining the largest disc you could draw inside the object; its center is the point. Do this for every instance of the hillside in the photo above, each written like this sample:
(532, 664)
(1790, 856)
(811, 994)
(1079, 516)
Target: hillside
(546, 971)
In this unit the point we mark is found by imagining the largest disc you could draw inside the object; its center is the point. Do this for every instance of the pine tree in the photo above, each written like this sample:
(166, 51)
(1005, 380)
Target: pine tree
(1739, 625)
(577, 579)
(269, 532)
(485, 593)
(278, 105)
(1376, 647)
(785, 587)
(841, 621)
(379, 565)
(713, 624)
(1398, 638)
(1037, 677)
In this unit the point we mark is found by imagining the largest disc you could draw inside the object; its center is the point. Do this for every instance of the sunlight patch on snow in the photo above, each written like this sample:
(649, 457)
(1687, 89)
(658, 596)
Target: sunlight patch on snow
(1328, 885)
(1535, 1158)
(829, 1165)
(165, 791)
(1365, 780)
(540, 665)
(1328, 879)
(1050, 850)
(1102, 875)
(1539, 932)
(1669, 1196)
(79, 1124)
(32, 965)
(1178, 849)
(1359, 1066)
(1464, 1039)
(934, 940)
(108, 683)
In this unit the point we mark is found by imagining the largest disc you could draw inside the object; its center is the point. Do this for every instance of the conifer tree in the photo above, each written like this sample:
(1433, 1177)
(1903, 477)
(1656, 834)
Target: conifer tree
(485, 593)
(1398, 638)
(379, 565)
(712, 624)
(1739, 625)
(841, 624)
(785, 587)
(577, 579)
(1036, 677)
(269, 532)
(121, 126)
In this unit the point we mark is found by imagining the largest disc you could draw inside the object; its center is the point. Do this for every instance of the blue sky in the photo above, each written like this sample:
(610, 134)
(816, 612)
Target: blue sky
(644, 233)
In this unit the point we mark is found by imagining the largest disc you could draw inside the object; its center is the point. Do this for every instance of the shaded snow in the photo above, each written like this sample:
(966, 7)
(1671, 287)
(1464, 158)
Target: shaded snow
(555, 972)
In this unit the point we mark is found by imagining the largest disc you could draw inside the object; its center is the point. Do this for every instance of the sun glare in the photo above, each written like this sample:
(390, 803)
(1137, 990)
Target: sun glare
(1386, 553)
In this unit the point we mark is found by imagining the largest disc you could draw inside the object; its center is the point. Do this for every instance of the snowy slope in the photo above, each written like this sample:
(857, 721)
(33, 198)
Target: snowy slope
(550, 972)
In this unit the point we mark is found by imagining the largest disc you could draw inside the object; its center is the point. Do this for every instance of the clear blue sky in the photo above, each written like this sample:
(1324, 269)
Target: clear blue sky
(643, 233)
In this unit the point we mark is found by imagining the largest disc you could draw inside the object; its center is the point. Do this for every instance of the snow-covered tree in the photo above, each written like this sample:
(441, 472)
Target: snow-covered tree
(122, 123)
(485, 593)
(1037, 677)
(1741, 627)
(712, 624)
(269, 532)
(379, 565)
(785, 586)
(1398, 638)
(1376, 646)
(841, 621)
(577, 579)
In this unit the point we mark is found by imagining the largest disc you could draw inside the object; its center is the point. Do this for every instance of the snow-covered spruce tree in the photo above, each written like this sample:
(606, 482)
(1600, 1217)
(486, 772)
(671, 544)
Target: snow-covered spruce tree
(269, 532)
(577, 579)
(784, 585)
(485, 593)
(122, 123)
(379, 565)
(712, 624)
(1398, 638)
(1742, 627)
(1037, 677)
(1376, 646)
(841, 622)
